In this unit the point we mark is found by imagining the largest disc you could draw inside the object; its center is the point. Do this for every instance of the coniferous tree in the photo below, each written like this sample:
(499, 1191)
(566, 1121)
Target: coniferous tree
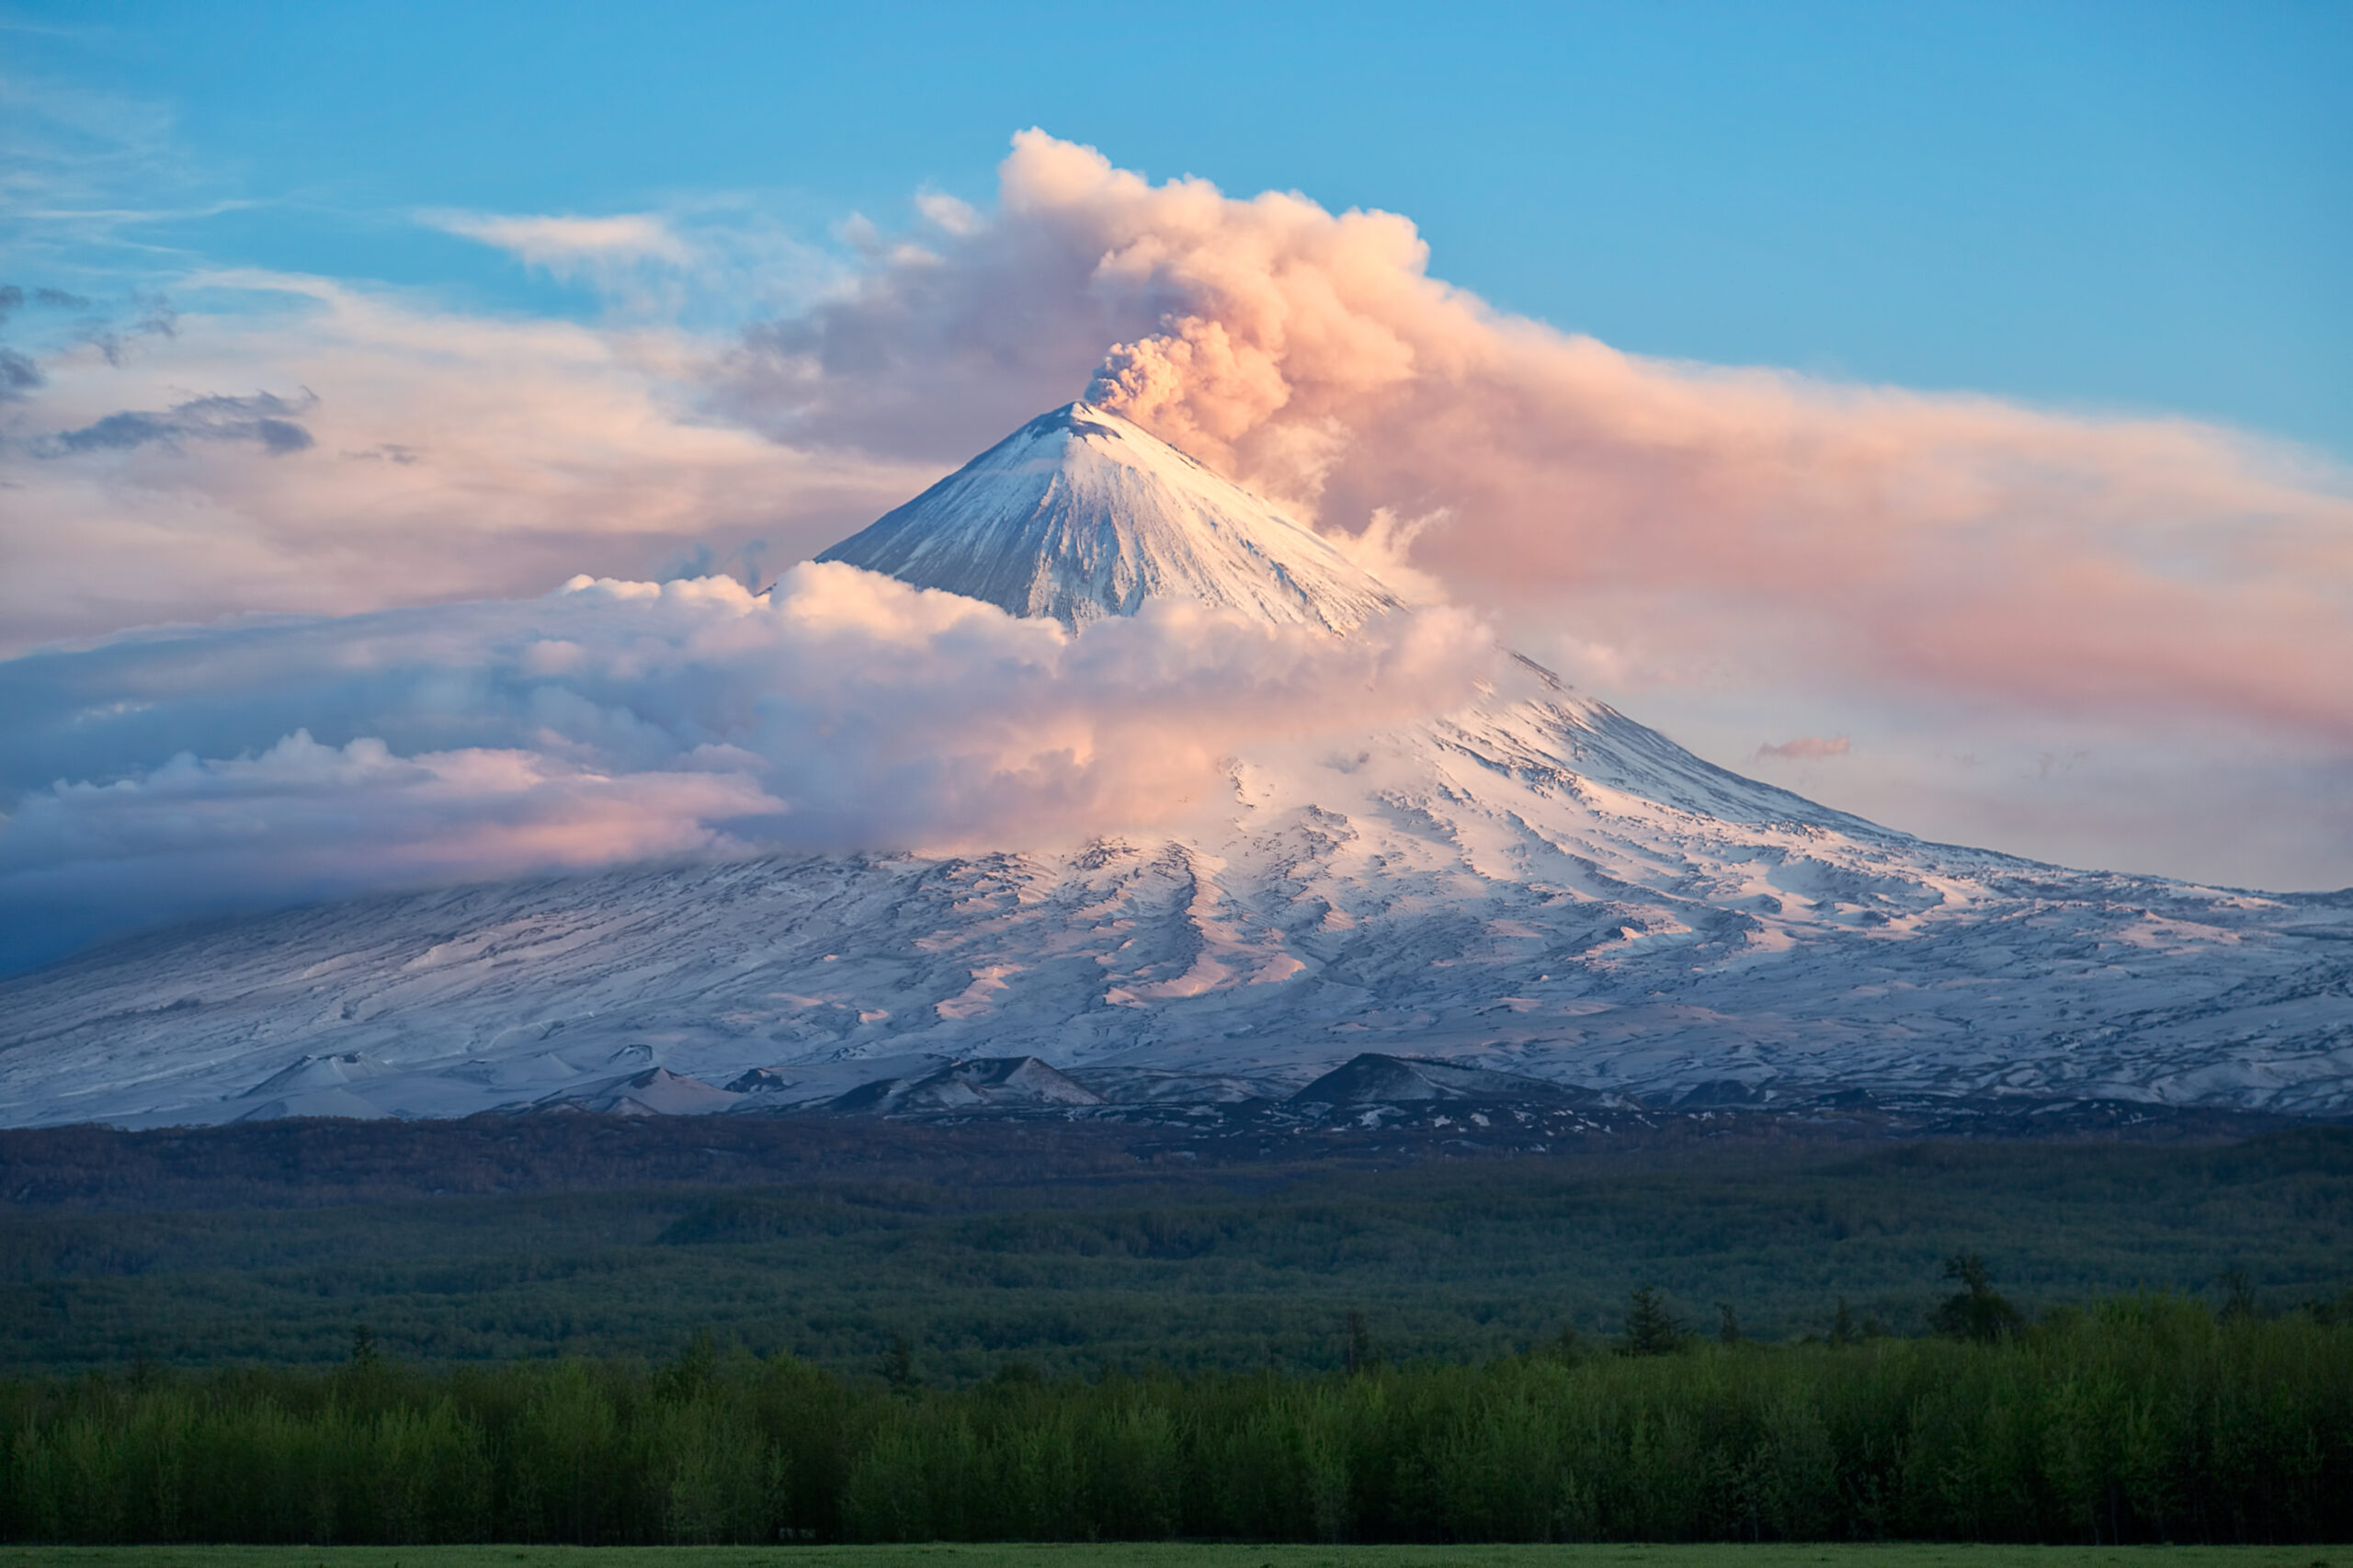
(1651, 1329)
(1977, 1311)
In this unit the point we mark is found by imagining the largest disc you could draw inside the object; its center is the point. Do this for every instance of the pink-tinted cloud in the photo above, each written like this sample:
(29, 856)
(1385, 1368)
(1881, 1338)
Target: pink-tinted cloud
(1734, 552)
(1799, 530)
(305, 446)
(565, 246)
(172, 772)
(1805, 748)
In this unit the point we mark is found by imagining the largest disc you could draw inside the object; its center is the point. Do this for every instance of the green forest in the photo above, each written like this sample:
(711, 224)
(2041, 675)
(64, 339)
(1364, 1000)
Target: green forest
(2087, 1343)
(2142, 1418)
(1248, 1268)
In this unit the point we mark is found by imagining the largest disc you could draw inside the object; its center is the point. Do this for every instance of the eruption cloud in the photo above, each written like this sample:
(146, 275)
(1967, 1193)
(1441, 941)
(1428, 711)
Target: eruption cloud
(1671, 513)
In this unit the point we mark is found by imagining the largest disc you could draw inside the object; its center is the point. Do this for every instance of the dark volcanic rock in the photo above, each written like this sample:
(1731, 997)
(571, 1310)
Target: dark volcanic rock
(1375, 1079)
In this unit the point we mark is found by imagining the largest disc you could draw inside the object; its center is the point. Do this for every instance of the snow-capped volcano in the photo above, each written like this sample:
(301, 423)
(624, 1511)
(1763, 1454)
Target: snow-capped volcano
(1534, 883)
(1081, 513)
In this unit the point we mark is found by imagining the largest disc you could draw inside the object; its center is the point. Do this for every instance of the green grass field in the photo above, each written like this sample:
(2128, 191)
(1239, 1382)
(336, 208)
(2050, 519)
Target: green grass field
(1167, 1555)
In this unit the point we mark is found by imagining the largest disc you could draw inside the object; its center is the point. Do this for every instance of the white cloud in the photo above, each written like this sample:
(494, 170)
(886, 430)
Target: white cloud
(173, 772)
(957, 217)
(1804, 748)
(447, 456)
(566, 246)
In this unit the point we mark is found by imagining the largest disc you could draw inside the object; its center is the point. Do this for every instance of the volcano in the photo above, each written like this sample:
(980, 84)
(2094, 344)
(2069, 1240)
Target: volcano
(1081, 515)
(1535, 885)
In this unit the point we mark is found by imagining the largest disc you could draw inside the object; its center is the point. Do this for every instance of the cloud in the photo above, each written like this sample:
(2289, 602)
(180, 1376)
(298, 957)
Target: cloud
(83, 176)
(453, 457)
(1805, 748)
(19, 375)
(266, 419)
(568, 247)
(1728, 552)
(156, 318)
(1795, 530)
(169, 773)
(1746, 526)
(956, 217)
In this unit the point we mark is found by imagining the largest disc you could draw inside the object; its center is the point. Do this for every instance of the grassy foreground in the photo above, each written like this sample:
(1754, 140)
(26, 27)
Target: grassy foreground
(1170, 1555)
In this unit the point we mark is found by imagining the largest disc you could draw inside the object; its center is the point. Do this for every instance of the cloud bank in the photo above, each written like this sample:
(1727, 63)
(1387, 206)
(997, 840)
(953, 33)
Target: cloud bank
(306, 446)
(165, 774)
(1730, 552)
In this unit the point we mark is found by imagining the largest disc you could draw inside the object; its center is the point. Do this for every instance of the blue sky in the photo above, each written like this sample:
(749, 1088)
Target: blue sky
(2140, 206)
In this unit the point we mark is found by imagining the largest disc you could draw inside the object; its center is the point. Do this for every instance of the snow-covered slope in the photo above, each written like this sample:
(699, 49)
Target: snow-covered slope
(1536, 885)
(1079, 515)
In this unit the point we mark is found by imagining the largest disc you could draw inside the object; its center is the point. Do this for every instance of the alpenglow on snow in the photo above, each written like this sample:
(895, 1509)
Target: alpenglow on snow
(1080, 515)
(1534, 885)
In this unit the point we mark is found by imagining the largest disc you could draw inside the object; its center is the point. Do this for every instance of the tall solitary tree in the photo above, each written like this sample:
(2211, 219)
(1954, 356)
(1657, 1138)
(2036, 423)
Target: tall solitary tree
(1651, 1329)
(1977, 1311)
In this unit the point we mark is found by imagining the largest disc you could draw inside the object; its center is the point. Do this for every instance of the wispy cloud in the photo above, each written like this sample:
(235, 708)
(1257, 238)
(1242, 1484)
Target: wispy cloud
(451, 457)
(569, 246)
(82, 173)
(708, 264)
(1805, 748)
(19, 375)
(14, 298)
(270, 422)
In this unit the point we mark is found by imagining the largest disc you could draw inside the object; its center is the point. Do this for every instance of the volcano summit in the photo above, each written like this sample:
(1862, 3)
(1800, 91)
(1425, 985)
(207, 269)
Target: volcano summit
(1080, 515)
(1531, 884)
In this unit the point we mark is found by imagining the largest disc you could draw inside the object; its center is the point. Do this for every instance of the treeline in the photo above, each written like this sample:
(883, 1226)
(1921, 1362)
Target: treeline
(312, 1162)
(2143, 1419)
